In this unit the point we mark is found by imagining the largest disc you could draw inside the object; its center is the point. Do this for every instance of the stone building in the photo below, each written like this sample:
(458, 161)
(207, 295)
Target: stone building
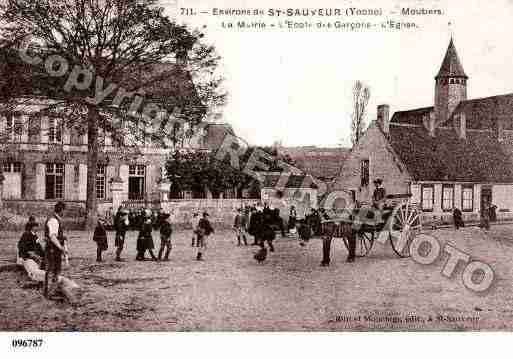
(455, 154)
(45, 161)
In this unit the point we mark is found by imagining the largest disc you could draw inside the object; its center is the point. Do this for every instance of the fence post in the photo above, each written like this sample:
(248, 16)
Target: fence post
(117, 193)
(164, 189)
(1, 189)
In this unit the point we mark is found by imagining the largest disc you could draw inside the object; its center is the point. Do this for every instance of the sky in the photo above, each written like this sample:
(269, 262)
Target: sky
(295, 86)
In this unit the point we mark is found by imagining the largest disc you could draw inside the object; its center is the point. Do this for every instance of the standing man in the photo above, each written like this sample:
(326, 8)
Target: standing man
(121, 224)
(457, 218)
(55, 247)
(485, 216)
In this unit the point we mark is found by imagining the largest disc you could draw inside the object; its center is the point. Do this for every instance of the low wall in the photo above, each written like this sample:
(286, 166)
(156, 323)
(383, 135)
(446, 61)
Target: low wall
(15, 213)
(221, 211)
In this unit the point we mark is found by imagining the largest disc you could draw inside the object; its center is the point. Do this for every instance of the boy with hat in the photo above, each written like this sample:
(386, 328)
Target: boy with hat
(204, 230)
(165, 236)
(100, 237)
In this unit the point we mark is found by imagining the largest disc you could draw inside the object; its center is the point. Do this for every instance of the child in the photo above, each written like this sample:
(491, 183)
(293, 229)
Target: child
(304, 230)
(100, 237)
(165, 236)
(194, 222)
(204, 230)
(240, 226)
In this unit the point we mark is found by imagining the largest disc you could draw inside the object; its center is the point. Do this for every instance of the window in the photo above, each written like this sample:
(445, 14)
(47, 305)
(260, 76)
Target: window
(12, 167)
(427, 197)
(100, 182)
(12, 180)
(447, 197)
(54, 181)
(136, 176)
(364, 173)
(467, 198)
(54, 130)
(14, 129)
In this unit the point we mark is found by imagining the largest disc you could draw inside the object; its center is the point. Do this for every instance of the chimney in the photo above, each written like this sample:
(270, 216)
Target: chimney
(499, 128)
(460, 125)
(383, 118)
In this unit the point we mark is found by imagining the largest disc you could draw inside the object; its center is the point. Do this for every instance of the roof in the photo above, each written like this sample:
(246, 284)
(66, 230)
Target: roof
(412, 117)
(480, 158)
(294, 181)
(321, 162)
(451, 65)
(482, 113)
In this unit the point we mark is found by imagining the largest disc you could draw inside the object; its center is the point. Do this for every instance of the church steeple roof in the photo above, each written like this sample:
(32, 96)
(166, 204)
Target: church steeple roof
(451, 66)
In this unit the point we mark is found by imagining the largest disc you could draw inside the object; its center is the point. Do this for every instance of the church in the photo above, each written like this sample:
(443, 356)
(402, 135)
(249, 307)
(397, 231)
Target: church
(457, 153)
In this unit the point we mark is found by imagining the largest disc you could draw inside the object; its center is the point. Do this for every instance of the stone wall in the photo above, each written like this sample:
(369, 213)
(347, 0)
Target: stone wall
(15, 213)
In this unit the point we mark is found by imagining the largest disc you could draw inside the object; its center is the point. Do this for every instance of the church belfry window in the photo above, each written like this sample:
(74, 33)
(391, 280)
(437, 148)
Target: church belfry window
(364, 173)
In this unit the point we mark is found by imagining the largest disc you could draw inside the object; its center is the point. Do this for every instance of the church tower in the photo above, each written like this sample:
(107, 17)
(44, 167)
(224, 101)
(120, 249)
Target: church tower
(451, 85)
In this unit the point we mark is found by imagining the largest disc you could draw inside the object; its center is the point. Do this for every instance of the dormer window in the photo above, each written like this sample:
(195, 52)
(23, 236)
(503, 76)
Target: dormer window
(14, 128)
(54, 130)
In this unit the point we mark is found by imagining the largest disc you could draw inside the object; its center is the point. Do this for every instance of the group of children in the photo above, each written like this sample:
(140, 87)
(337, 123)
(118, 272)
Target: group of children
(144, 239)
(201, 228)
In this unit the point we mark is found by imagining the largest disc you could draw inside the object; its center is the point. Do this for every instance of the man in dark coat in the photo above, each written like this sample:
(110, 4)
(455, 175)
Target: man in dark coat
(255, 226)
(458, 218)
(268, 234)
(121, 225)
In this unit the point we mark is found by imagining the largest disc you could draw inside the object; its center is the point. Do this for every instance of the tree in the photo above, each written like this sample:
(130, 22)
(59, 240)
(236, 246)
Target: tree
(101, 61)
(361, 96)
(200, 170)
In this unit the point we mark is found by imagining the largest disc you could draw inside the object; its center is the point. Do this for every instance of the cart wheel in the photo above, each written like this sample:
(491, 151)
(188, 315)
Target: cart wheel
(406, 223)
(364, 243)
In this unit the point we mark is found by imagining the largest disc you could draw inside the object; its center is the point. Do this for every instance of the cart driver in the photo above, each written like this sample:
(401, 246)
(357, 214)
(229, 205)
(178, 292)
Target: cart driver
(379, 196)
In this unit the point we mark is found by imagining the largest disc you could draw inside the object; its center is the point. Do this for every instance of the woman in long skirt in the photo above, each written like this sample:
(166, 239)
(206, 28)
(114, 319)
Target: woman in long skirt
(145, 238)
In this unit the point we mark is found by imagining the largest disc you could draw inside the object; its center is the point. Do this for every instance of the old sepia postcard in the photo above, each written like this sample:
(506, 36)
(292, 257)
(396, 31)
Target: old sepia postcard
(261, 166)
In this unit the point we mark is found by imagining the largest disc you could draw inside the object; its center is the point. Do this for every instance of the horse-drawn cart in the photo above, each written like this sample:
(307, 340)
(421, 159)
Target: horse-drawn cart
(398, 223)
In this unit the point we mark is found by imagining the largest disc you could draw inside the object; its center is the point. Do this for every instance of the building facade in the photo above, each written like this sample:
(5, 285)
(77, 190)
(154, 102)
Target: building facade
(44, 160)
(457, 153)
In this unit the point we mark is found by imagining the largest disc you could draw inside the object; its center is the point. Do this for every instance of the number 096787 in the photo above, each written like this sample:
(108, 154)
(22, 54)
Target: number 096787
(27, 343)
